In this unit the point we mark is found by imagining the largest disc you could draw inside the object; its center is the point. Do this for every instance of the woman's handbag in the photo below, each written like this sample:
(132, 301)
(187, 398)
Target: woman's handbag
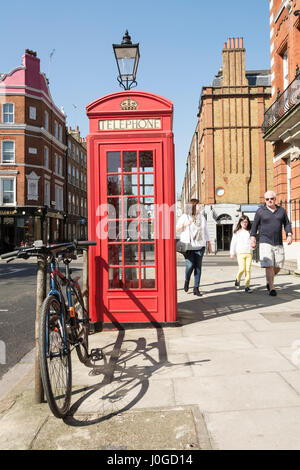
(182, 247)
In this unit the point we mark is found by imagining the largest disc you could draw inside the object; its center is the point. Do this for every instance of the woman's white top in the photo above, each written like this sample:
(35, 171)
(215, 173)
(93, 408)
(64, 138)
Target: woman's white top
(187, 235)
(241, 242)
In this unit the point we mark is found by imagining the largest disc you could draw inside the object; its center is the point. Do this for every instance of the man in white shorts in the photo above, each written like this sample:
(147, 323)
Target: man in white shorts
(270, 219)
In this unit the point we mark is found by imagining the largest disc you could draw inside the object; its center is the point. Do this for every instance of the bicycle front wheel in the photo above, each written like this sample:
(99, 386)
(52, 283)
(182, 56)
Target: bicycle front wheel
(55, 357)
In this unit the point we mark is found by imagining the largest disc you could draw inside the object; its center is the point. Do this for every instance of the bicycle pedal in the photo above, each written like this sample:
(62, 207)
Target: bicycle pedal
(96, 354)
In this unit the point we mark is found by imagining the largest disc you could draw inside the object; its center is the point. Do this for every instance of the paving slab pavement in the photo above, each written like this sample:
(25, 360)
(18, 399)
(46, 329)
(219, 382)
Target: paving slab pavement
(226, 377)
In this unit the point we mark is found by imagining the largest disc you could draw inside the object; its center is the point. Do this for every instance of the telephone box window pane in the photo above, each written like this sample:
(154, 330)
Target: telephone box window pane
(113, 208)
(114, 231)
(131, 230)
(147, 254)
(146, 185)
(113, 162)
(147, 230)
(130, 185)
(147, 207)
(131, 254)
(131, 278)
(130, 207)
(130, 162)
(113, 185)
(115, 278)
(115, 255)
(148, 278)
(146, 161)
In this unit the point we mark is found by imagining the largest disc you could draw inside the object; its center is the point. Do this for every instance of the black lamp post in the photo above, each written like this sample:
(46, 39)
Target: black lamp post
(127, 57)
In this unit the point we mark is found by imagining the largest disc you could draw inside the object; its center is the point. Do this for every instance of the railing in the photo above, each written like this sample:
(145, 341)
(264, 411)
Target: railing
(292, 208)
(286, 101)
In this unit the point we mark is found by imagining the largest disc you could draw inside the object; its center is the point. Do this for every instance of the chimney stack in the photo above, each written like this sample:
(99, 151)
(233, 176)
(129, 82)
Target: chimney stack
(234, 73)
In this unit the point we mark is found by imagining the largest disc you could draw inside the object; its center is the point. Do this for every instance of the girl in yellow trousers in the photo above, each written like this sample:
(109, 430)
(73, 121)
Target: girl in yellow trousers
(241, 246)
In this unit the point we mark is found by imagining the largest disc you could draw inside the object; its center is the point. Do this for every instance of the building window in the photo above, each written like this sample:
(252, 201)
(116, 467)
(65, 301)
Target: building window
(46, 121)
(47, 194)
(55, 129)
(58, 165)
(60, 132)
(32, 186)
(8, 113)
(59, 198)
(69, 172)
(7, 191)
(46, 157)
(32, 112)
(285, 68)
(8, 151)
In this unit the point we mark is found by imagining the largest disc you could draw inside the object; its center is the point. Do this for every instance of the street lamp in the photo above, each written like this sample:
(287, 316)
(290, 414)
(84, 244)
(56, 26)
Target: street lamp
(127, 57)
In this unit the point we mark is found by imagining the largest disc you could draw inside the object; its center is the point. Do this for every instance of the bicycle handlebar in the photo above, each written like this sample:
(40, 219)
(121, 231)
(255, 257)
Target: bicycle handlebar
(10, 255)
(47, 249)
(86, 243)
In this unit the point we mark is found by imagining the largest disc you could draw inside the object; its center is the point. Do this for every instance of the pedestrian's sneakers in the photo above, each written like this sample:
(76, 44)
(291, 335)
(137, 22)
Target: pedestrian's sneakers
(237, 283)
(247, 289)
(273, 293)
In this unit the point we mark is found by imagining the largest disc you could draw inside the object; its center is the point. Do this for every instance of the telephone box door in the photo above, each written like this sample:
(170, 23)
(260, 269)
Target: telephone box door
(132, 251)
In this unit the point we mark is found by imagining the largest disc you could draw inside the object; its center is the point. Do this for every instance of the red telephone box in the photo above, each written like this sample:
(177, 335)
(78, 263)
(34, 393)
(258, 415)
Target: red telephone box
(131, 209)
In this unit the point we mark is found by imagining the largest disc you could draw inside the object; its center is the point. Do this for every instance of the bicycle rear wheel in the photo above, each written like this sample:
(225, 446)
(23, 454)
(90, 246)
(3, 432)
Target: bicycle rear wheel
(81, 327)
(55, 358)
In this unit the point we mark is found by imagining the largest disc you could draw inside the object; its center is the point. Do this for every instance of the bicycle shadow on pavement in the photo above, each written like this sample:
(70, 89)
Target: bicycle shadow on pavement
(125, 371)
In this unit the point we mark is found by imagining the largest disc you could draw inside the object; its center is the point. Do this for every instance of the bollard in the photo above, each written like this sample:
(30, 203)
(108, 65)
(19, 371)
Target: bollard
(40, 296)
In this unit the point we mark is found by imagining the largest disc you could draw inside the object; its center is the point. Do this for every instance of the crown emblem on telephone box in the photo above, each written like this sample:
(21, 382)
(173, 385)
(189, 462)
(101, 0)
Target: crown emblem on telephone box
(129, 104)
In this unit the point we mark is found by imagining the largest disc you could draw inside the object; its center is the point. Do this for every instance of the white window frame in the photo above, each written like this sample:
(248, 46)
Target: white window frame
(8, 113)
(46, 157)
(285, 69)
(56, 129)
(60, 132)
(8, 162)
(59, 197)
(46, 117)
(47, 193)
(32, 113)
(2, 178)
(32, 186)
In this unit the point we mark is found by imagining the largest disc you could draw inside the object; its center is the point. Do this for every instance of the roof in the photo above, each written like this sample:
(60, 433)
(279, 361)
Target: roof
(255, 78)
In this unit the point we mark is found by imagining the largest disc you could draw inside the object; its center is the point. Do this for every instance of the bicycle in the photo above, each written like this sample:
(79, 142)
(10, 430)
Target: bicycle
(64, 323)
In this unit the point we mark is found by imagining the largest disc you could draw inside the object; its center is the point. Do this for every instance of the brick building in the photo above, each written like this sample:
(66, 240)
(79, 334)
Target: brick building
(281, 124)
(32, 157)
(233, 165)
(76, 186)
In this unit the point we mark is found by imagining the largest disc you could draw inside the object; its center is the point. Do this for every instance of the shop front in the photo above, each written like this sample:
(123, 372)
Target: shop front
(23, 225)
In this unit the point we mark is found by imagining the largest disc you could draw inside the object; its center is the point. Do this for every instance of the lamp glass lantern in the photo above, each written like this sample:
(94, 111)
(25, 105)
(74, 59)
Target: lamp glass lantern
(127, 57)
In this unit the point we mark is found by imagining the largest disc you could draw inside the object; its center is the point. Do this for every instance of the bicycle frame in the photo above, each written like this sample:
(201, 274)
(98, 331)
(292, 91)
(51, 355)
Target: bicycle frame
(56, 291)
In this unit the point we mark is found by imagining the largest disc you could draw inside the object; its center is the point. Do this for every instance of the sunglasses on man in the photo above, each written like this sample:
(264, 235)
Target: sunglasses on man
(270, 198)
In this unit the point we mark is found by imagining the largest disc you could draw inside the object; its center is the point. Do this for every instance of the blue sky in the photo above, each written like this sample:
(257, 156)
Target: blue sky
(181, 45)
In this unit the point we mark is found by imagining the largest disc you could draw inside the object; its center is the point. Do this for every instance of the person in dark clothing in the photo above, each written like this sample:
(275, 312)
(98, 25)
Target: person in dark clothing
(270, 219)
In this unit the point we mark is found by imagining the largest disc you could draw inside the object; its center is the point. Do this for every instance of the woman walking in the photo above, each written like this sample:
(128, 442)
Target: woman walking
(241, 246)
(193, 227)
